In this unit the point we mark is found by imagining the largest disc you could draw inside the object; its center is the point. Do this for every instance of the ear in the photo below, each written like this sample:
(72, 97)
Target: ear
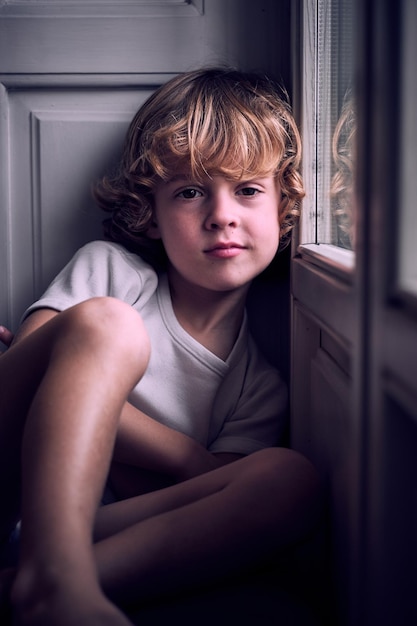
(153, 230)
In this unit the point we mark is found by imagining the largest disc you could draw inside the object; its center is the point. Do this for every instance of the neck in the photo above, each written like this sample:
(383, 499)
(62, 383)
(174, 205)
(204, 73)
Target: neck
(213, 318)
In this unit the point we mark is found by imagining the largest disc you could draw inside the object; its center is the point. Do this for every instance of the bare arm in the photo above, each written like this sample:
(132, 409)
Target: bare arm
(35, 320)
(149, 456)
(143, 441)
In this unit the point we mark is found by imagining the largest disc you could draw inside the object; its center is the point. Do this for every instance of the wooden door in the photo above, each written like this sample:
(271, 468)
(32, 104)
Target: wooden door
(390, 528)
(355, 336)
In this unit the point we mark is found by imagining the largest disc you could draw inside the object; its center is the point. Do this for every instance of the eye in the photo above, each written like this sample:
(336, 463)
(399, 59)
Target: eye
(189, 194)
(249, 191)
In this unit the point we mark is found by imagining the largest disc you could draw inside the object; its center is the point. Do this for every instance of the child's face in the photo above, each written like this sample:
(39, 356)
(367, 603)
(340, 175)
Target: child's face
(220, 234)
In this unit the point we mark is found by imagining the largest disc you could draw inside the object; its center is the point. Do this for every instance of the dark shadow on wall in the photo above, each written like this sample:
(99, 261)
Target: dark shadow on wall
(268, 309)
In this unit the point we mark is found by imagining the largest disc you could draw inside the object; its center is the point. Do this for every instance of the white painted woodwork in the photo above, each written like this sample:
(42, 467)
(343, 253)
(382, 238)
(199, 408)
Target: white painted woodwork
(61, 142)
(72, 75)
(102, 36)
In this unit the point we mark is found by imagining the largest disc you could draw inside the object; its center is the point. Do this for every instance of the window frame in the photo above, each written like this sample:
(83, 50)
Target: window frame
(316, 58)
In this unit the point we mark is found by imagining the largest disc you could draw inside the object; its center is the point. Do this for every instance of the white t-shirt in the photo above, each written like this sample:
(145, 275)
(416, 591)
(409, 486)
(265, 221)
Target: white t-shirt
(237, 405)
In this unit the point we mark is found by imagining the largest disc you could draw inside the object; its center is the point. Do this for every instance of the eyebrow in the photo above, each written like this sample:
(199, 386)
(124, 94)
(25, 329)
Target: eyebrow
(179, 177)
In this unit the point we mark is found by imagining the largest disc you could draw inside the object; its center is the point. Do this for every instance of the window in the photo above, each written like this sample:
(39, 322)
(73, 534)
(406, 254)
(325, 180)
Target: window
(328, 129)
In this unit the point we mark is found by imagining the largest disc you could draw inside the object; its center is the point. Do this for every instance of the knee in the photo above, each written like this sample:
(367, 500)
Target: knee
(283, 465)
(289, 482)
(109, 327)
(278, 461)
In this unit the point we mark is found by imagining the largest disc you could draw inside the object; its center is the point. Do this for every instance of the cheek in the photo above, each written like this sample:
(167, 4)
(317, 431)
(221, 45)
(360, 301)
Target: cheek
(178, 237)
(270, 238)
(269, 229)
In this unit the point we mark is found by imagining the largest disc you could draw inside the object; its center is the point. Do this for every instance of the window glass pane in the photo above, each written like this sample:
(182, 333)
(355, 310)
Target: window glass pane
(408, 171)
(329, 122)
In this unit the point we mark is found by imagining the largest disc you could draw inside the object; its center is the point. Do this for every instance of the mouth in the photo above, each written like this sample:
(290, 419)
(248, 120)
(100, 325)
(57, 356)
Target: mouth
(225, 250)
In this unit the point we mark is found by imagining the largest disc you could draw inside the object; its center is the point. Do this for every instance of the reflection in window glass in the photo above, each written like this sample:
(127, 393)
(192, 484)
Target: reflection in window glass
(408, 176)
(341, 188)
(329, 122)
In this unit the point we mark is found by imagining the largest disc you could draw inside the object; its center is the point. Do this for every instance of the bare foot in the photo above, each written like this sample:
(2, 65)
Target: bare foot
(57, 604)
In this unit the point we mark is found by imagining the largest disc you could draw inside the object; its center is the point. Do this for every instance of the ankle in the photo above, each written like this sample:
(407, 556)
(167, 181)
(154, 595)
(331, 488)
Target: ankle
(47, 598)
(36, 584)
(33, 585)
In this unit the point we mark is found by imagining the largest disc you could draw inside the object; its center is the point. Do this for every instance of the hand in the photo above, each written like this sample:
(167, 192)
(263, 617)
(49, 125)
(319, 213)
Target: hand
(6, 336)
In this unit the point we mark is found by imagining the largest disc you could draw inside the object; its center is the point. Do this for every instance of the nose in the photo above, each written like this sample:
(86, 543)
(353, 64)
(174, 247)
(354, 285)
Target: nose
(221, 213)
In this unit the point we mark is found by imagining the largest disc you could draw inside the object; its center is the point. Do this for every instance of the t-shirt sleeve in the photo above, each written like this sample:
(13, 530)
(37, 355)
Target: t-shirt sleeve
(99, 268)
(260, 415)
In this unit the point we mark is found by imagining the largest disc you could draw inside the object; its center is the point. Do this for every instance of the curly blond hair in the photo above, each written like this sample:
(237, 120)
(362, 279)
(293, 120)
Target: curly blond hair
(211, 121)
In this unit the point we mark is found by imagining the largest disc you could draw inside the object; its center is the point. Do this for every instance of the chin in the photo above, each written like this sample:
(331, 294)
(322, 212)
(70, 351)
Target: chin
(229, 285)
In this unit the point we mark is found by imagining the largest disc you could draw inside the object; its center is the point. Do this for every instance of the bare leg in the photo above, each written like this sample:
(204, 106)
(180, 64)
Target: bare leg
(63, 387)
(211, 525)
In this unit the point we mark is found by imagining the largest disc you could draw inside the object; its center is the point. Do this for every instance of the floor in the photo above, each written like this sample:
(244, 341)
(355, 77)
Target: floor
(279, 596)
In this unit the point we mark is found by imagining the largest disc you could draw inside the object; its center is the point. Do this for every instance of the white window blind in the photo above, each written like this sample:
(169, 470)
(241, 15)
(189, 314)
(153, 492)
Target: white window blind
(328, 123)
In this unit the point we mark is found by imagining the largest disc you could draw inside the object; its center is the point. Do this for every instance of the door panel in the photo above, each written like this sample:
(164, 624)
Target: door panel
(129, 36)
(323, 428)
(61, 141)
(104, 37)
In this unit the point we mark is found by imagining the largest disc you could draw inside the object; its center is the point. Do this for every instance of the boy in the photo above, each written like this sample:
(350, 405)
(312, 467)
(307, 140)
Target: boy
(136, 365)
